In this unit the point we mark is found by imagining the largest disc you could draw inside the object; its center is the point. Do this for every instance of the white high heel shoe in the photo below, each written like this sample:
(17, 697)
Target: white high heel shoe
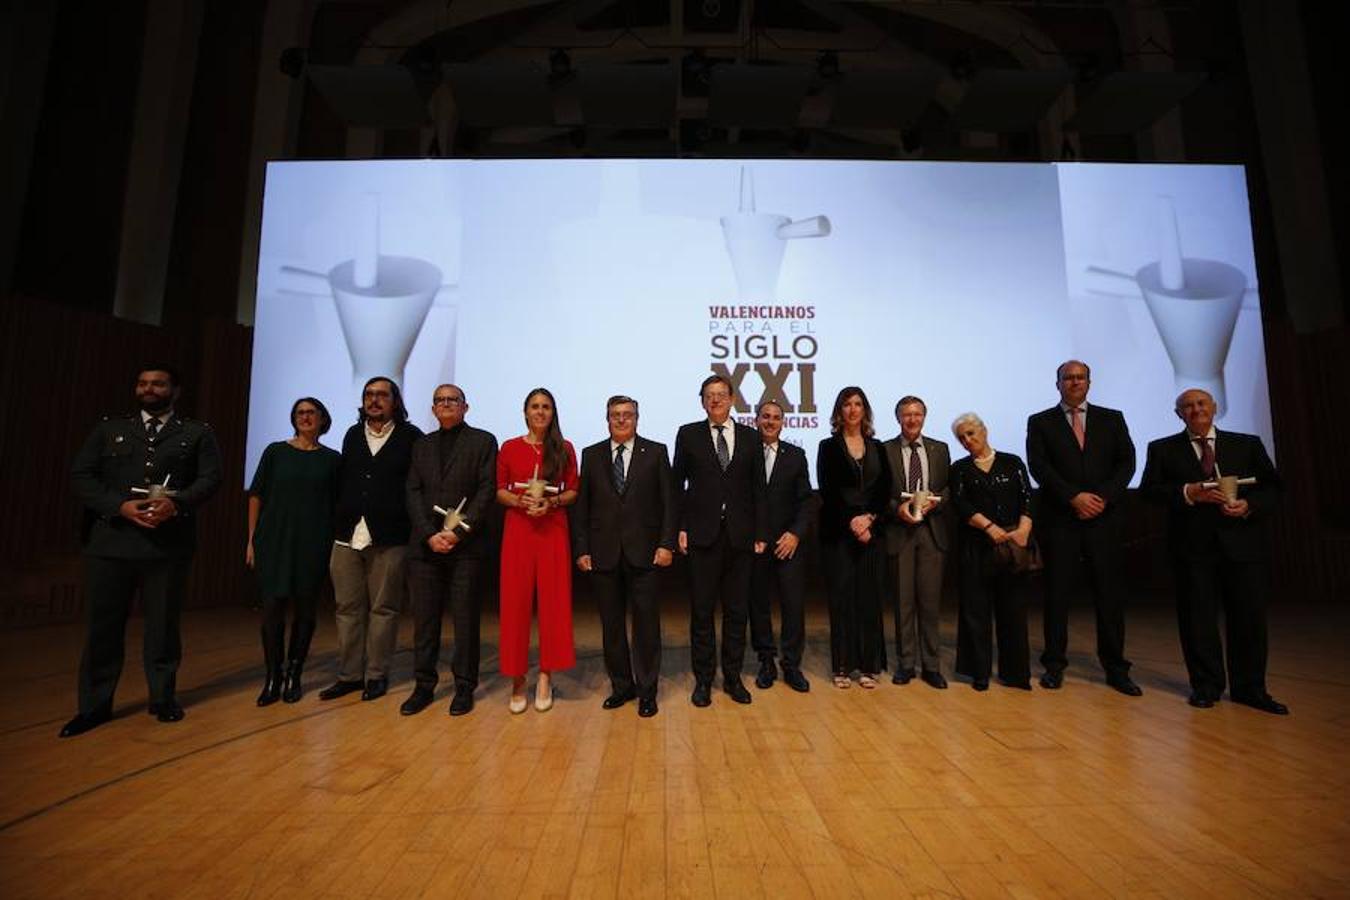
(543, 702)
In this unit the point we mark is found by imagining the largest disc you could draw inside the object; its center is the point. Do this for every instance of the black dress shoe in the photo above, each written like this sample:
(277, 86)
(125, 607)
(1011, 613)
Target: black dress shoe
(271, 689)
(647, 707)
(340, 689)
(794, 679)
(85, 722)
(417, 701)
(462, 703)
(1200, 701)
(1017, 685)
(617, 699)
(1052, 681)
(375, 689)
(980, 684)
(736, 691)
(768, 674)
(166, 710)
(293, 689)
(934, 679)
(902, 676)
(702, 695)
(1265, 703)
(1125, 685)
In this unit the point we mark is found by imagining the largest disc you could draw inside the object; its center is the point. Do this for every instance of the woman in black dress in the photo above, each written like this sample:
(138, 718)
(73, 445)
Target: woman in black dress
(290, 535)
(855, 487)
(992, 497)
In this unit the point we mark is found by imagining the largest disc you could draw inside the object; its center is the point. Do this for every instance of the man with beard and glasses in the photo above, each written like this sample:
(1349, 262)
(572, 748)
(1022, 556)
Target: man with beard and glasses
(371, 540)
(141, 478)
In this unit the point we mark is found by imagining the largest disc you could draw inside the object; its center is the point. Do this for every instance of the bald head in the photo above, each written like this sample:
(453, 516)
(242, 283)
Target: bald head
(1195, 407)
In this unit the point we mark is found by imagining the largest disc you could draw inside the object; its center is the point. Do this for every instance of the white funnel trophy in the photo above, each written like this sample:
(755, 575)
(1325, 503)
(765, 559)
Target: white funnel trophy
(1195, 305)
(382, 301)
(756, 241)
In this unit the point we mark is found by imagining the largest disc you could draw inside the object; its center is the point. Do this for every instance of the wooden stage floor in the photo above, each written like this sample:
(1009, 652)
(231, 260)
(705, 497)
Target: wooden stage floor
(894, 793)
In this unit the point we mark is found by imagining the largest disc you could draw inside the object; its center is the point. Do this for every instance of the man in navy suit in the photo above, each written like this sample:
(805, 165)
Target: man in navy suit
(1217, 545)
(719, 479)
(623, 533)
(1082, 458)
(790, 510)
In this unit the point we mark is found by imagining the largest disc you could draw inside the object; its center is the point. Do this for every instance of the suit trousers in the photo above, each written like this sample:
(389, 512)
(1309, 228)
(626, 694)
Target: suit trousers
(918, 600)
(1073, 549)
(635, 666)
(855, 578)
(368, 591)
(275, 652)
(1204, 586)
(719, 570)
(991, 604)
(433, 586)
(109, 586)
(789, 578)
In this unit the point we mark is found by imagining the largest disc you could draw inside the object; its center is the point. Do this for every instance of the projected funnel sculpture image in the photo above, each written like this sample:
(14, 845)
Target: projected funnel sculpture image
(756, 241)
(1194, 304)
(382, 301)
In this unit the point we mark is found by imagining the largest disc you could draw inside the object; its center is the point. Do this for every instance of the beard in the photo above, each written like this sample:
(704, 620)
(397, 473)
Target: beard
(155, 404)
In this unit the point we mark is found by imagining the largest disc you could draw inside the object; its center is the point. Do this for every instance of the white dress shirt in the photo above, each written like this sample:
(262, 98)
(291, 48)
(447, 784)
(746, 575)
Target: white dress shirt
(729, 429)
(361, 538)
(905, 451)
(627, 454)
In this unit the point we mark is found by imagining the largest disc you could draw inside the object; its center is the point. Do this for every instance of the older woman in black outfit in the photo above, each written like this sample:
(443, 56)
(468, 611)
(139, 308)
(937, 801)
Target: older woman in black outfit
(855, 486)
(992, 497)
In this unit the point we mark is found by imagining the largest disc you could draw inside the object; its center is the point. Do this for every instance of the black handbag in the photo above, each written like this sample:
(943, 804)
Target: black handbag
(1009, 558)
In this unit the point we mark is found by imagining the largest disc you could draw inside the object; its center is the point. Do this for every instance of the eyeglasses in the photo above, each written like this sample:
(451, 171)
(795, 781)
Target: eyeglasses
(447, 401)
(714, 396)
(372, 395)
(622, 416)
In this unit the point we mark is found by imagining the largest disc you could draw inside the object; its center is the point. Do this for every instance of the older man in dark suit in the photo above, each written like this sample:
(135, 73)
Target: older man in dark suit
(140, 542)
(790, 509)
(623, 533)
(1217, 544)
(454, 468)
(916, 540)
(1082, 458)
(719, 479)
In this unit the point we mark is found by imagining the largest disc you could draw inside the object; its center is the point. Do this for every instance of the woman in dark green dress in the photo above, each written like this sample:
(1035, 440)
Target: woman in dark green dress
(290, 535)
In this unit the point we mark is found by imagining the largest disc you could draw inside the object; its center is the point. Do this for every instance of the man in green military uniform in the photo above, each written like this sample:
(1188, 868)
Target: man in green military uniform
(141, 479)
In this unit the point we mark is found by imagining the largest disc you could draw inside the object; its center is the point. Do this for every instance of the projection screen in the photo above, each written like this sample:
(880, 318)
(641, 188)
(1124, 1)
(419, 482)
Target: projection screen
(965, 284)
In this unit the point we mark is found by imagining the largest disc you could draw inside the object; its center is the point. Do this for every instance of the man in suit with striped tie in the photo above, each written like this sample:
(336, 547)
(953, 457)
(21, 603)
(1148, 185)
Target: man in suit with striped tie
(1217, 545)
(719, 483)
(1082, 459)
(791, 507)
(623, 533)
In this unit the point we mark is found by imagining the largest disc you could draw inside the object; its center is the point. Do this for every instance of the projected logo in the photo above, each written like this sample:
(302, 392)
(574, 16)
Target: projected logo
(1194, 303)
(382, 300)
(776, 344)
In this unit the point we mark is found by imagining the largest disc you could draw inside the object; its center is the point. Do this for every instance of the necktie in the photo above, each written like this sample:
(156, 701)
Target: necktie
(151, 427)
(1206, 457)
(619, 479)
(1076, 416)
(768, 462)
(915, 466)
(723, 451)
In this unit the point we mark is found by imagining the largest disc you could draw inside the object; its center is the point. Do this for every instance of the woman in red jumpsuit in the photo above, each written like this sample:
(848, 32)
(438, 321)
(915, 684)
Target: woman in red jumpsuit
(536, 550)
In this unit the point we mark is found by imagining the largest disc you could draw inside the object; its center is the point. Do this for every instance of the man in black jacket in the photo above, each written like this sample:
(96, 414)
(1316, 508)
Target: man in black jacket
(623, 532)
(719, 479)
(371, 540)
(454, 469)
(790, 507)
(1217, 544)
(1082, 458)
(143, 541)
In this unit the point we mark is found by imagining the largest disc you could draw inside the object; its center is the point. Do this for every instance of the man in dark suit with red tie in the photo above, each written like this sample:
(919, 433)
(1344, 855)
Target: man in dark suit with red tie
(1082, 458)
(790, 509)
(623, 533)
(1217, 544)
(719, 482)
